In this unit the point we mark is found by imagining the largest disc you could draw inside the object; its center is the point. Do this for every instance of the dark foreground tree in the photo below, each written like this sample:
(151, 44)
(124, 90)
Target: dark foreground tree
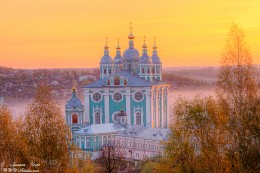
(238, 94)
(45, 132)
(111, 159)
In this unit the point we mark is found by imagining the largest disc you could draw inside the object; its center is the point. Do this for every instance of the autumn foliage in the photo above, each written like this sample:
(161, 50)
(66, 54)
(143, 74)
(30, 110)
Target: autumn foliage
(219, 134)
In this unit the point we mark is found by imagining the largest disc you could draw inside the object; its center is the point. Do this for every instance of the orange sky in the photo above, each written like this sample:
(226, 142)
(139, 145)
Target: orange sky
(66, 33)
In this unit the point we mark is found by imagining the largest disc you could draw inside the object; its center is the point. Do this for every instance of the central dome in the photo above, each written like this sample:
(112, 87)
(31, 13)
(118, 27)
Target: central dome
(131, 54)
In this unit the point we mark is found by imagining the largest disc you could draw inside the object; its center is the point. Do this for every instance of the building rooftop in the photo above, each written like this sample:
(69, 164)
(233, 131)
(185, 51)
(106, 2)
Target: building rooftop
(133, 80)
(102, 128)
(145, 133)
(74, 101)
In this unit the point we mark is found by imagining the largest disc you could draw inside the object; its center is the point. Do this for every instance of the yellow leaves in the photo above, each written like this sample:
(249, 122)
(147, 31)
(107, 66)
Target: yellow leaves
(196, 139)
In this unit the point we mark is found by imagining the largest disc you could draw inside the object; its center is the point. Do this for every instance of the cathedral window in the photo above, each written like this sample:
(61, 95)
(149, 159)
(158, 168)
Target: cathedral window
(97, 118)
(125, 82)
(153, 70)
(96, 97)
(143, 70)
(109, 71)
(117, 96)
(116, 80)
(138, 117)
(138, 96)
(129, 66)
(108, 82)
(105, 71)
(148, 70)
(88, 144)
(158, 70)
(74, 118)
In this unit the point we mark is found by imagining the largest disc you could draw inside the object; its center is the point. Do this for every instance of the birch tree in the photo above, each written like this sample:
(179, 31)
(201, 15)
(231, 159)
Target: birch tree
(197, 140)
(45, 132)
(238, 94)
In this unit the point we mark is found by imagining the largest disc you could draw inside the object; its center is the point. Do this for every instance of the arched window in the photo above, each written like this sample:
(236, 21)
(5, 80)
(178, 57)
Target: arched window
(116, 81)
(129, 66)
(105, 71)
(148, 70)
(108, 82)
(109, 71)
(74, 118)
(153, 71)
(143, 70)
(138, 117)
(125, 82)
(88, 143)
(97, 118)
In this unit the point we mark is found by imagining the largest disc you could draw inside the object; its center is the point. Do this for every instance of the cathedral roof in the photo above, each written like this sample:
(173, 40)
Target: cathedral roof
(101, 129)
(74, 101)
(146, 133)
(118, 59)
(156, 59)
(106, 59)
(131, 54)
(145, 59)
(133, 81)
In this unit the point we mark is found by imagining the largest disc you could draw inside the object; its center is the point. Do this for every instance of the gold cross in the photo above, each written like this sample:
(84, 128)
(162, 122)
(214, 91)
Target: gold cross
(131, 24)
(106, 40)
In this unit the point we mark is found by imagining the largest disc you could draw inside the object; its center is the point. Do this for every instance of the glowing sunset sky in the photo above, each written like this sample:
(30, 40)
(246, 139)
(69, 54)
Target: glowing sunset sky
(66, 33)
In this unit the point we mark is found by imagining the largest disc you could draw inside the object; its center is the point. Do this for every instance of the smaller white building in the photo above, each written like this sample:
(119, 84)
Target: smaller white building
(140, 142)
(92, 138)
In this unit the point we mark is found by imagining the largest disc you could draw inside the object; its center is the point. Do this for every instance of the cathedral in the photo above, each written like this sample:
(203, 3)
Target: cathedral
(130, 83)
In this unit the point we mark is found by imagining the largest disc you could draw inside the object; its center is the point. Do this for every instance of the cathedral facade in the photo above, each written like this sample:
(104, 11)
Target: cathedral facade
(131, 83)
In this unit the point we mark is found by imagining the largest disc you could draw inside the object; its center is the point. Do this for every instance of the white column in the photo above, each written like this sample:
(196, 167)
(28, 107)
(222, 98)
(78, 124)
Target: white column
(86, 106)
(169, 119)
(148, 107)
(106, 105)
(128, 105)
(85, 142)
(157, 108)
(162, 109)
(152, 107)
(80, 143)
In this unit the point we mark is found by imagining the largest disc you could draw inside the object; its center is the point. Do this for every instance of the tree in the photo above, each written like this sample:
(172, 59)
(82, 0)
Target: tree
(111, 159)
(12, 146)
(7, 143)
(46, 131)
(238, 94)
(80, 162)
(197, 140)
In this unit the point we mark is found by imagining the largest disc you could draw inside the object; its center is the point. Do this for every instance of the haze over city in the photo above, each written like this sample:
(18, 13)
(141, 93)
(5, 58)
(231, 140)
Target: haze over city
(68, 34)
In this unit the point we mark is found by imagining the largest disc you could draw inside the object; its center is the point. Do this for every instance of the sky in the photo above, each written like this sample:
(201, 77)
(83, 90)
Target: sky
(70, 34)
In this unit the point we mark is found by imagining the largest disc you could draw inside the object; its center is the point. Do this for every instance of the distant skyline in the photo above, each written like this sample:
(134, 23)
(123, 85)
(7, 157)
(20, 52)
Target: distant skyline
(70, 34)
